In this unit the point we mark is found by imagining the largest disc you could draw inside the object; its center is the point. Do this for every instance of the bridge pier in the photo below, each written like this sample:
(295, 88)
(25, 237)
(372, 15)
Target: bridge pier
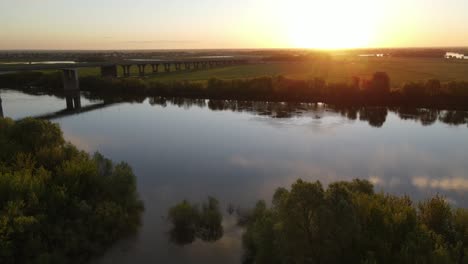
(141, 69)
(1, 109)
(126, 70)
(187, 65)
(155, 67)
(167, 67)
(204, 64)
(196, 65)
(70, 80)
(109, 71)
(73, 100)
(177, 66)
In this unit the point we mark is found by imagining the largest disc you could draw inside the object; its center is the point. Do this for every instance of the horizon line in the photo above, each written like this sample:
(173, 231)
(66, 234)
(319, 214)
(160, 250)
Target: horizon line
(225, 49)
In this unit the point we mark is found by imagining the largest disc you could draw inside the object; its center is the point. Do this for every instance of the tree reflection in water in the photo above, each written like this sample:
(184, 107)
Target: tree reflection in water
(375, 116)
(189, 222)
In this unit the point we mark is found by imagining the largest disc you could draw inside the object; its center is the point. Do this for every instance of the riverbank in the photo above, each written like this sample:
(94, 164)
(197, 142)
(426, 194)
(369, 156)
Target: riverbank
(373, 91)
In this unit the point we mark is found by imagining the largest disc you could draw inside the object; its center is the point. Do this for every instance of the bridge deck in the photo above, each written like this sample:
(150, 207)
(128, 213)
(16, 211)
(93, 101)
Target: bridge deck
(58, 66)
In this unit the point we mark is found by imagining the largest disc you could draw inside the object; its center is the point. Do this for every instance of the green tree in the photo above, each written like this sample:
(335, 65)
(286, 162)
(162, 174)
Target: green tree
(57, 204)
(348, 222)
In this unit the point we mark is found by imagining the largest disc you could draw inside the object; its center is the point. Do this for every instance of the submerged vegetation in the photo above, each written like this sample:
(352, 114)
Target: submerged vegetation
(190, 222)
(349, 222)
(58, 204)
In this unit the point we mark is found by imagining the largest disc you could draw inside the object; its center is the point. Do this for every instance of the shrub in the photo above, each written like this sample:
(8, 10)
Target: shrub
(189, 222)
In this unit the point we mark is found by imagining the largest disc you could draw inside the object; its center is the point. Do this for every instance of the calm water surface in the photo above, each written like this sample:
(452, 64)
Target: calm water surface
(240, 152)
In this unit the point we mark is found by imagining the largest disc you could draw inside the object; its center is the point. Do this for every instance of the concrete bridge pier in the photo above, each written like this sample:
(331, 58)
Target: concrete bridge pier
(141, 69)
(1, 109)
(70, 80)
(155, 67)
(73, 100)
(204, 65)
(187, 65)
(177, 66)
(109, 71)
(126, 70)
(196, 65)
(212, 64)
(167, 67)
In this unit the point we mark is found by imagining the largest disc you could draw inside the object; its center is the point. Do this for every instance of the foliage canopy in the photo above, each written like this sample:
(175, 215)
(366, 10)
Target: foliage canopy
(58, 204)
(349, 223)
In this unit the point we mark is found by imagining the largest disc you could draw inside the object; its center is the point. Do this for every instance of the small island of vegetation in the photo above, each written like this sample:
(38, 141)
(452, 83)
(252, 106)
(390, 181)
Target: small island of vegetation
(189, 222)
(58, 204)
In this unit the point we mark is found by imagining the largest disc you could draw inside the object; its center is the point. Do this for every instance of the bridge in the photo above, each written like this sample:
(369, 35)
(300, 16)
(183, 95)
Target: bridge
(110, 69)
(71, 84)
(73, 107)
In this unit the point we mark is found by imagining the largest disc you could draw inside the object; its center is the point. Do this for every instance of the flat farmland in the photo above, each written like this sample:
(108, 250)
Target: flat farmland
(337, 69)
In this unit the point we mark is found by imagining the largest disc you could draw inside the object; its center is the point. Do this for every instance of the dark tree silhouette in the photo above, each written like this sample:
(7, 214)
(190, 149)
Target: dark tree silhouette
(380, 83)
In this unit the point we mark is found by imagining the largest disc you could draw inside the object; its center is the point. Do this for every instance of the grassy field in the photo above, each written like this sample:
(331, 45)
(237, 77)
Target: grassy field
(339, 69)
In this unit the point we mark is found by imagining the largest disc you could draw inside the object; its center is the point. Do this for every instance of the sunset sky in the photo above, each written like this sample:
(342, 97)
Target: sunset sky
(186, 24)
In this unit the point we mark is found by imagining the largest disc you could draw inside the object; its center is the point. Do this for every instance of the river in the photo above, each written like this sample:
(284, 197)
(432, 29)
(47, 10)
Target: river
(240, 152)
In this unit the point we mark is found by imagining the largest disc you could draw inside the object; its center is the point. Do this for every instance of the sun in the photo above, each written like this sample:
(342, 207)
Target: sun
(331, 24)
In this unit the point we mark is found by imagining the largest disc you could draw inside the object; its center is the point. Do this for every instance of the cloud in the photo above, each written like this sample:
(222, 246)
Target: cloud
(86, 144)
(290, 169)
(446, 184)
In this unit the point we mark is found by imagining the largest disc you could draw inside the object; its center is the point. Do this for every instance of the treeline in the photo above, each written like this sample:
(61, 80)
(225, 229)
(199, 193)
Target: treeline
(58, 204)
(349, 223)
(418, 53)
(33, 81)
(404, 52)
(375, 91)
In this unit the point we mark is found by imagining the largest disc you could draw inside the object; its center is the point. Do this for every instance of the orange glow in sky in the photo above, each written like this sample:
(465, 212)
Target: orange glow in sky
(188, 24)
